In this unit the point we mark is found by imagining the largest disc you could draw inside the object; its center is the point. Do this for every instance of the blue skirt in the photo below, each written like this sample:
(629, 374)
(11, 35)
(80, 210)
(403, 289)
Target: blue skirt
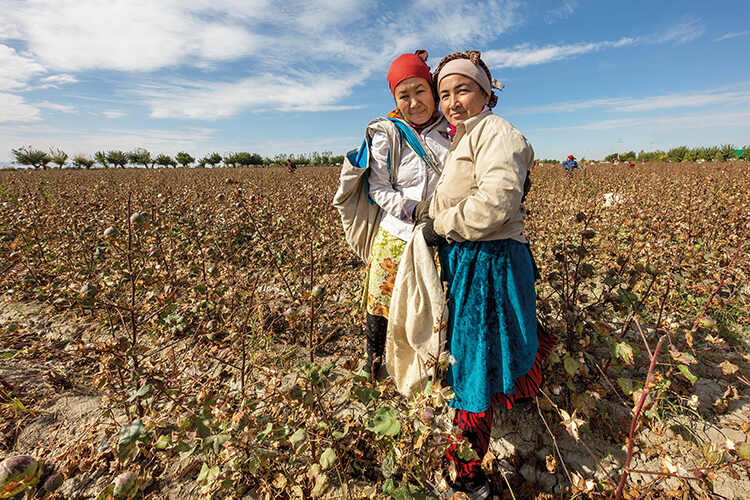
(492, 330)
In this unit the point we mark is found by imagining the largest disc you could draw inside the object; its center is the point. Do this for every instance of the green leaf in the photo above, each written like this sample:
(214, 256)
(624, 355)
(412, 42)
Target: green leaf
(384, 422)
(203, 474)
(163, 442)
(624, 352)
(217, 440)
(744, 450)
(106, 492)
(321, 484)
(327, 458)
(132, 433)
(185, 450)
(389, 486)
(687, 374)
(298, 437)
(388, 467)
(628, 385)
(365, 394)
(571, 365)
(265, 432)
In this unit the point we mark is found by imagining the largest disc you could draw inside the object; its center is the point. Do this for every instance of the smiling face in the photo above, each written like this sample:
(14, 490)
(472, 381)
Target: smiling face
(461, 98)
(415, 100)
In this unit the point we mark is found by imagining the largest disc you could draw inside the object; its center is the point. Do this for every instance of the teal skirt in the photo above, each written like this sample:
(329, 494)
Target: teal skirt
(492, 329)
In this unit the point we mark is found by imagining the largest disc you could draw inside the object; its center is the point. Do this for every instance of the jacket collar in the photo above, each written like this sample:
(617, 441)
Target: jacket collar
(466, 127)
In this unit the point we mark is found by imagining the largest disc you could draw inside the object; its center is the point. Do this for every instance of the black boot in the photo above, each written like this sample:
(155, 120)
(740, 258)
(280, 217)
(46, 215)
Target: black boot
(375, 331)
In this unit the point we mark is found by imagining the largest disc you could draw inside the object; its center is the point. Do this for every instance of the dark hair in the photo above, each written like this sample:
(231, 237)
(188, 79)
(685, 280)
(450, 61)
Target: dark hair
(474, 57)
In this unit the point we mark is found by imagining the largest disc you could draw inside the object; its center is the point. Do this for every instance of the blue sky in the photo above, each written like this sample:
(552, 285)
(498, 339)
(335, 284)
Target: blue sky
(581, 77)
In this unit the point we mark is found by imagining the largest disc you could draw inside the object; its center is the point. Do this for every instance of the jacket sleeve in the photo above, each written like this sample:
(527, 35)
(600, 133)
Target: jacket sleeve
(501, 160)
(386, 195)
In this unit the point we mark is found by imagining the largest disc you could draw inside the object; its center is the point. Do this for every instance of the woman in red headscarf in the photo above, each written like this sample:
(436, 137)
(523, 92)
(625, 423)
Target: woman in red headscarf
(410, 83)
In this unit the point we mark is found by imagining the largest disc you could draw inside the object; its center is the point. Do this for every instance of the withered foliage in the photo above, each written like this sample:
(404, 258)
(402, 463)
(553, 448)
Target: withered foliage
(217, 362)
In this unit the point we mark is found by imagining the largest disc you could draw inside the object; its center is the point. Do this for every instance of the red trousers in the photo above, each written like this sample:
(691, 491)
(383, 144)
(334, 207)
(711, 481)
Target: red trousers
(477, 427)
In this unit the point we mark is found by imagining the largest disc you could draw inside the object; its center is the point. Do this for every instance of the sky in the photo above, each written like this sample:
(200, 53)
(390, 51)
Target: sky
(581, 77)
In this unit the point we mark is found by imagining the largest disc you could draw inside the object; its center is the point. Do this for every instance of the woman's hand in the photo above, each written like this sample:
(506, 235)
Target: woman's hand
(430, 236)
(421, 211)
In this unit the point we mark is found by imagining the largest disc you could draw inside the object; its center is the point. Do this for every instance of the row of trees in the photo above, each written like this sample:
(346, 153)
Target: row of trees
(725, 152)
(37, 158)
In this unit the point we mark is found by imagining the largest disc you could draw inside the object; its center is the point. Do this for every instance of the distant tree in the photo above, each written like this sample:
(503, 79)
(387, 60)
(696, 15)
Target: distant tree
(140, 156)
(336, 160)
(611, 158)
(82, 161)
(691, 154)
(58, 157)
(746, 154)
(117, 158)
(101, 158)
(726, 151)
(31, 157)
(165, 161)
(711, 153)
(230, 160)
(184, 159)
(211, 160)
(677, 154)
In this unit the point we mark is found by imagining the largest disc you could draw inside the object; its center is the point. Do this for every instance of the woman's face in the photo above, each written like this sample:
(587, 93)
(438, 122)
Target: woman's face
(415, 100)
(461, 98)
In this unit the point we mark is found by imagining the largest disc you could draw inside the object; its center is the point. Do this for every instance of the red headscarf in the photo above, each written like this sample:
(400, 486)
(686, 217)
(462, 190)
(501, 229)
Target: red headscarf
(408, 66)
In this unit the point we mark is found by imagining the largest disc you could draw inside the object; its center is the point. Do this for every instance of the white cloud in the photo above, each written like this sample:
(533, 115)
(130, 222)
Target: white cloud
(14, 108)
(696, 121)
(734, 95)
(139, 35)
(562, 12)
(687, 30)
(212, 100)
(729, 36)
(62, 108)
(55, 80)
(525, 55)
(16, 70)
(114, 113)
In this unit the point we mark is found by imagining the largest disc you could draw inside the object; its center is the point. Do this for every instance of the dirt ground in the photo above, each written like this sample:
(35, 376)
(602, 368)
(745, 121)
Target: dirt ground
(54, 403)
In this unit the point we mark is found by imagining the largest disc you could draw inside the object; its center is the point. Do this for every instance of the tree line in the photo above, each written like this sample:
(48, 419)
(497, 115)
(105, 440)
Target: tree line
(37, 158)
(725, 152)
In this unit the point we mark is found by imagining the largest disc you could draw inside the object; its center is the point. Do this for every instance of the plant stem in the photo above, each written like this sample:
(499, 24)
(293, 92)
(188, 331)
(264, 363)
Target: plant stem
(634, 421)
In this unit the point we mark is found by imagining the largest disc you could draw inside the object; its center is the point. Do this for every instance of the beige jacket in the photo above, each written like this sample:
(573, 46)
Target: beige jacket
(478, 196)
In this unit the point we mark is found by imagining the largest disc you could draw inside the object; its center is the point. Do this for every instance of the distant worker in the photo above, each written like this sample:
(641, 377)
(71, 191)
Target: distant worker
(290, 166)
(570, 164)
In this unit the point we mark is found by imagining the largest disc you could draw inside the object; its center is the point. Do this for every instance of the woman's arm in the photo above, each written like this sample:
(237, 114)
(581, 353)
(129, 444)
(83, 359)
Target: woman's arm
(388, 197)
(501, 160)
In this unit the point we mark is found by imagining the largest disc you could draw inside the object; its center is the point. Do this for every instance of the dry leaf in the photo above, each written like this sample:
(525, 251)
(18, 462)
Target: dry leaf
(551, 464)
(728, 368)
(571, 423)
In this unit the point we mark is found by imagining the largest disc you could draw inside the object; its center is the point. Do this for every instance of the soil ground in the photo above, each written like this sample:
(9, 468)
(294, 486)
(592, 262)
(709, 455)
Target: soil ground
(46, 363)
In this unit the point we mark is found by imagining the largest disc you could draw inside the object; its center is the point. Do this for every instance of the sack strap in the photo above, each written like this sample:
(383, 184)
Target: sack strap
(416, 144)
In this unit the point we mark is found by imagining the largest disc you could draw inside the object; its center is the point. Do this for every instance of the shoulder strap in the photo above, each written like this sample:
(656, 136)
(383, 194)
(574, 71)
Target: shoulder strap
(416, 144)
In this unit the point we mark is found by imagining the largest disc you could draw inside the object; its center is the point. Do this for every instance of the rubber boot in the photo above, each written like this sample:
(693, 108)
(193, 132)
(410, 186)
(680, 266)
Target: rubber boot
(375, 331)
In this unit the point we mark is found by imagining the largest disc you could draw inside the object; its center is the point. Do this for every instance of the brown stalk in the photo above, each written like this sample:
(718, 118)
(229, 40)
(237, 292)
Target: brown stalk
(634, 421)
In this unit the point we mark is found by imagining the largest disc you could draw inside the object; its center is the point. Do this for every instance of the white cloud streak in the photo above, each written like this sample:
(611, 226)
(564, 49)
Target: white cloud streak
(562, 12)
(14, 108)
(113, 114)
(695, 121)
(526, 55)
(16, 70)
(729, 36)
(685, 31)
(62, 108)
(735, 95)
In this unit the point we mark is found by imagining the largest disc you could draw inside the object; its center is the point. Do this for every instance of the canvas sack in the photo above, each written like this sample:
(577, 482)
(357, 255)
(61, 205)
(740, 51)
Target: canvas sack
(360, 215)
